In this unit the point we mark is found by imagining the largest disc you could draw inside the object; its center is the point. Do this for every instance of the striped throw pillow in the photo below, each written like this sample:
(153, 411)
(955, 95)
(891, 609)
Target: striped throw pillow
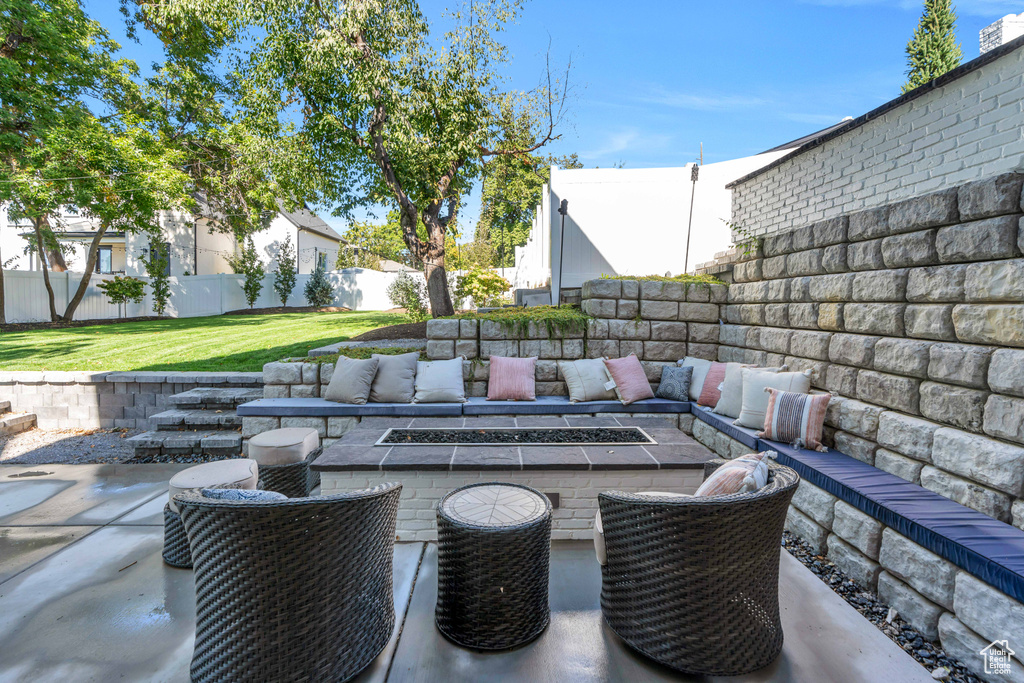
(631, 383)
(744, 474)
(512, 379)
(796, 419)
(711, 392)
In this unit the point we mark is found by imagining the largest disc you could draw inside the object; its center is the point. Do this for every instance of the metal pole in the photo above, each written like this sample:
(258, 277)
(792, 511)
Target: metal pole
(563, 209)
(689, 228)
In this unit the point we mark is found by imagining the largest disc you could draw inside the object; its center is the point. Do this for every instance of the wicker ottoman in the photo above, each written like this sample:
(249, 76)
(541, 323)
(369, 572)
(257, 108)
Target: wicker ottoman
(493, 547)
(236, 473)
(284, 456)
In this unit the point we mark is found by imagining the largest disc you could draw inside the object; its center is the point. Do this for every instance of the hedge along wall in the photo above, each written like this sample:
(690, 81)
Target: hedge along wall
(912, 314)
(660, 322)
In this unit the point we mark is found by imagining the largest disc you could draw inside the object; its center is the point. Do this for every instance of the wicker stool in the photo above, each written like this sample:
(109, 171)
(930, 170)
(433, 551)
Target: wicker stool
(236, 473)
(493, 547)
(284, 456)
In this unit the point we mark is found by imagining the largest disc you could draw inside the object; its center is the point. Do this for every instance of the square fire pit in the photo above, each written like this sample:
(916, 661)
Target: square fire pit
(516, 436)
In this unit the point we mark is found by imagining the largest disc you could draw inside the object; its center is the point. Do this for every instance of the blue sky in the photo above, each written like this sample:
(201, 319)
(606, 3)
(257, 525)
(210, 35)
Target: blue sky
(652, 79)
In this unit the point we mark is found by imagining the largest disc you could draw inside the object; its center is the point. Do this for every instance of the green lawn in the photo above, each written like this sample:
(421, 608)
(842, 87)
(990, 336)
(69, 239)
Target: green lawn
(223, 342)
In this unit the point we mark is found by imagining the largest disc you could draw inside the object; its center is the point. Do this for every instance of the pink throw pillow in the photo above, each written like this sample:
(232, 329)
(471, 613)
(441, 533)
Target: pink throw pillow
(512, 379)
(710, 393)
(631, 383)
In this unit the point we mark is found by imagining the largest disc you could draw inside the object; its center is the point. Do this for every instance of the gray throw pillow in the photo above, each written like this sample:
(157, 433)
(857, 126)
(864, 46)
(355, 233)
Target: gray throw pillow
(440, 381)
(351, 380)
(396, 378)
(675, 383)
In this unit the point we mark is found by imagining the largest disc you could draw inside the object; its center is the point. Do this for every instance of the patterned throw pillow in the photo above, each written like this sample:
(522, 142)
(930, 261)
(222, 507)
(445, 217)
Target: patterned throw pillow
(242, 494)
(744, 474)
(675, 383)
(512, 379)
(712, 390)
(795, 419)
(631, 383)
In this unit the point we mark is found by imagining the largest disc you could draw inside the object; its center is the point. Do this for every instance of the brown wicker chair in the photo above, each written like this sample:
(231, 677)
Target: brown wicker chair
(291, 590)
(693, 583)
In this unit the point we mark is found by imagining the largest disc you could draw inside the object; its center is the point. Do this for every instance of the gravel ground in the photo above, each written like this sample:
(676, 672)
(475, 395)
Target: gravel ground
(930, 655)
(68, 446)
(594, 435)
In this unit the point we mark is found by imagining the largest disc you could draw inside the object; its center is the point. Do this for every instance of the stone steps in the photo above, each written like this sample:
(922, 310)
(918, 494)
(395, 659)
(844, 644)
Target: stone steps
(5, 407)
(178, 419)
(15, 423)
(214, 398)
(210, 442)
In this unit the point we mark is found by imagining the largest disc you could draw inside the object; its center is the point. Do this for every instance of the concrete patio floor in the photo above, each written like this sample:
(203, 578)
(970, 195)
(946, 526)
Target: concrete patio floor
(85, 596)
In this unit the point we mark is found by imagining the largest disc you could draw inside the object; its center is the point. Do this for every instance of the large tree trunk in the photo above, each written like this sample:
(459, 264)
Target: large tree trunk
(437, 288)
(90, 265)
(44, 266)
(54, 256)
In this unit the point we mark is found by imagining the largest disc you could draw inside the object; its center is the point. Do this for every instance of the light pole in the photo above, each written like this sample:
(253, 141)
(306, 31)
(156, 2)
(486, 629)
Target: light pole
(694, 172)
(563, 209)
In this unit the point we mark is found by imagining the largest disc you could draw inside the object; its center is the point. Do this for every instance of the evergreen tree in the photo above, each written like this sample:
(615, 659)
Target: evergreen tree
(157, 270)
(933, 50)
(319, 291)
(248, 263)
(284, 278)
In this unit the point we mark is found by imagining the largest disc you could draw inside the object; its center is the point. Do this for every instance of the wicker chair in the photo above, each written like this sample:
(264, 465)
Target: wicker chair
(294, 480)
(291, 590)
(693, 583)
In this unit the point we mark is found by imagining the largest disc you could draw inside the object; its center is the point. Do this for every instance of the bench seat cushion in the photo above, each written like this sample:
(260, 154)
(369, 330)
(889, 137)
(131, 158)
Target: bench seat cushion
(984, 547)
(724, 424)
(319, 407)
(560, 405)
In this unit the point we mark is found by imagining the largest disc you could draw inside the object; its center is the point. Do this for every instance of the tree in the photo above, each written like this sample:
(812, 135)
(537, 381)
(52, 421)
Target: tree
(249, 264)
(389, 112)
(933, 50)
(122, 290)
(319, 291)
(366, 244)
(284, 277)
(156, 264)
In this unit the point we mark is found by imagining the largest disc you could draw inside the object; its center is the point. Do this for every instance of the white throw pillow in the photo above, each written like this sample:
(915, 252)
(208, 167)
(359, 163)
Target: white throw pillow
(440, 381)
(586, 380)
(731, 402)
(755, 398)
(700, 371)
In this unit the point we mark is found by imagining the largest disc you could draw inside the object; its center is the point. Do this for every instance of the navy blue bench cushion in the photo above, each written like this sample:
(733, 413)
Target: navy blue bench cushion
(560, 405)
(724, 424)
(320, 407)
(978, 544)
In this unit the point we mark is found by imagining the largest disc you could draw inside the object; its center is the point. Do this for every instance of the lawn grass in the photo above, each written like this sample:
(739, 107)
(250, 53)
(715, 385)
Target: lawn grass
(241, 343)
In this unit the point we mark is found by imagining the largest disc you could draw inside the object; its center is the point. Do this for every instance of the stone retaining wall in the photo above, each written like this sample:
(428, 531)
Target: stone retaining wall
(106, 400)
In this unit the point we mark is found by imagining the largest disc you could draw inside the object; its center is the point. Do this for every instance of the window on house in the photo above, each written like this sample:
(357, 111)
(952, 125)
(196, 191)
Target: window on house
(105, 260)
(321, 261)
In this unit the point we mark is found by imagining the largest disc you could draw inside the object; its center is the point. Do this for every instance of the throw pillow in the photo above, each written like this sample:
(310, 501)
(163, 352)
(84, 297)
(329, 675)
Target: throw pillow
(586, 380)
(241, 494)
(755, 401)
(796, 419)
(395, 381)
(631, 383)
(351, 380)
(512, 379)
(440, 381)
(731, 402)
(700, 372)
(675, 383)
(744, 474)
(712, 389)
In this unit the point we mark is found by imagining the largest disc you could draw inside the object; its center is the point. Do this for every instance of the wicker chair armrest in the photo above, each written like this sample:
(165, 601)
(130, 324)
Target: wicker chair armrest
(380, 491)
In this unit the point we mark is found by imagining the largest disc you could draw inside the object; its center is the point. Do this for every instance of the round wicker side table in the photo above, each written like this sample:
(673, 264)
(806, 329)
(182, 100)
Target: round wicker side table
(493, 550)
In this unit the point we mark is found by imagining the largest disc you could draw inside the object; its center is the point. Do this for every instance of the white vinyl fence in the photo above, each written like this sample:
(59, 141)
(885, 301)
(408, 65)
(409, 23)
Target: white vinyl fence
(191, 297)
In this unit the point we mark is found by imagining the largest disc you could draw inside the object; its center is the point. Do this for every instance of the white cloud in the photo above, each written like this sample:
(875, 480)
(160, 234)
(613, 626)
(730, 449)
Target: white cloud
(823, 120)
(701, 102)
(632, 140)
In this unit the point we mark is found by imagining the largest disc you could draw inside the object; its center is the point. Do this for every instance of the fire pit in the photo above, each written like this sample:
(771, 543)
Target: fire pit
(516, 436)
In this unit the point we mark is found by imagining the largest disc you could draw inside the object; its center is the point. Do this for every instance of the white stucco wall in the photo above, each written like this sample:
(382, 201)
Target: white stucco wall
(971, 128)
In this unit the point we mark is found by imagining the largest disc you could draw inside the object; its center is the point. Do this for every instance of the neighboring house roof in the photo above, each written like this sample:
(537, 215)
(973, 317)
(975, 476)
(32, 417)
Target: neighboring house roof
(304, 219)
(389, 266)
(800, 142)
(821, 137)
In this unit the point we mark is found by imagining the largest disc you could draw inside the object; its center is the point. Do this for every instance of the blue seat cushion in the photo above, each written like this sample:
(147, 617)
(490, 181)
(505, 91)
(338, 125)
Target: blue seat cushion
(319, 407)
(724, 424)
(980, 545)
(560, 405)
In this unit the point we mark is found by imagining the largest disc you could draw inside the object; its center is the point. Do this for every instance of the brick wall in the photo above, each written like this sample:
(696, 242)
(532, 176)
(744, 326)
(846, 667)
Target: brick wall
(967, 129)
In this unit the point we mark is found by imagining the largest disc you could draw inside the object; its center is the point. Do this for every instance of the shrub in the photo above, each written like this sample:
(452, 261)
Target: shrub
(248, 263)
(319, 291)
(123, 289)
(485, 287)
(284, 278)
(410, 293)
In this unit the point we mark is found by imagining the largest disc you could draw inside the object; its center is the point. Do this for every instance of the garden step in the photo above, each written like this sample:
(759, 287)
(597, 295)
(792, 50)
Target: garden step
(179, 419)
(5, 407)
(14, 423)
(213, 397)
(207, 441)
